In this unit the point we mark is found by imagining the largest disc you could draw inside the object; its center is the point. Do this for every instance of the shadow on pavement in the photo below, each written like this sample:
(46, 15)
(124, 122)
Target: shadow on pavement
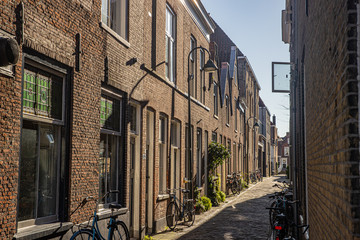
(247, 219)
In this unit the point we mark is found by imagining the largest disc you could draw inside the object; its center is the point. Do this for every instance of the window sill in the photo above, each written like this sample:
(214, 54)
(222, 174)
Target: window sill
(236, 131)
(115, 35)
(42, 231)
(228, 125)
(216, 117)
(6, 72)
(106, 213)
(162, 197)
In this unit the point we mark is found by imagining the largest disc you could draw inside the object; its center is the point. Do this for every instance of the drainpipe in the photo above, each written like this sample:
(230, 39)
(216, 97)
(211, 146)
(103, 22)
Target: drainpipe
(358, 59)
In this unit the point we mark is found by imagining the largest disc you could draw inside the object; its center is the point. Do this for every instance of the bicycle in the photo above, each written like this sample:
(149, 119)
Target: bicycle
(173, 213)
(253, 178)
(233, 183)
(259, 176)
(117, 228)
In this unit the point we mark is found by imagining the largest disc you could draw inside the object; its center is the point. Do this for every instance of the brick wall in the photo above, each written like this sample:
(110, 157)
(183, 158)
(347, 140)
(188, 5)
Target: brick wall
(325, 53)
(10, 105)
(49, 33)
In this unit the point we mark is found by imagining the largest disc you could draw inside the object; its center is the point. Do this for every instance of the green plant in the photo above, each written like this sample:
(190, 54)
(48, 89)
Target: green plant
(222, 196)
(147, 237)
(214, 189)
(244, 184)
(206, 203)
(217, 155)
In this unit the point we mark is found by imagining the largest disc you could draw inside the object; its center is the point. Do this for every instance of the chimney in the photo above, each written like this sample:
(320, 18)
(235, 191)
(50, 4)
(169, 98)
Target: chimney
(274, 119)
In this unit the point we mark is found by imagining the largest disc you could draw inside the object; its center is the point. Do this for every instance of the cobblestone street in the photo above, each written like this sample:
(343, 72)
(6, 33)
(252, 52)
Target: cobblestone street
(241, 217)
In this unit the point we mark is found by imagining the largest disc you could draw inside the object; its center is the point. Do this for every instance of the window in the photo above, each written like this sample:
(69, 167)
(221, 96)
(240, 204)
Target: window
(170, 45)
(286, 151)
(216, 106)
(214, 137)
(192, 70)
(187, 149)
(235, 163)
(43, 145)
(114, 13)
(229, 160)
(175, 155)
(227, 106)
(202, 76)
(109, 155)
(133, 119)
(162, 154)
(199, 157)
(236, 118)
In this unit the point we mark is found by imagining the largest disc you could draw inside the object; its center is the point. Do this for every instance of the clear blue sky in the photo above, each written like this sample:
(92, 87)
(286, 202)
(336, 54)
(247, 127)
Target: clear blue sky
(255, 27)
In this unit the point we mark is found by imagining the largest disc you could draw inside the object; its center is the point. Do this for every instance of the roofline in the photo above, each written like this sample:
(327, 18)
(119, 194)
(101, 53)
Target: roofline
(252, 70)
(204, 18)
(205, 15)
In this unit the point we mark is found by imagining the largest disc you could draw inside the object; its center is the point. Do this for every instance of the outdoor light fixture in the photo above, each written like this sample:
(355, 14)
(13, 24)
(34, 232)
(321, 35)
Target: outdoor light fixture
(208, 67)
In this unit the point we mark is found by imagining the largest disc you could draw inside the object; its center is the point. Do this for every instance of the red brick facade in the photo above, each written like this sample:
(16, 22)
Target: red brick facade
(130, 69)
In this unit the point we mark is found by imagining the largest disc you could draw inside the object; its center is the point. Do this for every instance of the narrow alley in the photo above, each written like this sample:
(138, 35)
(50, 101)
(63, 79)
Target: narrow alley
(241, 217)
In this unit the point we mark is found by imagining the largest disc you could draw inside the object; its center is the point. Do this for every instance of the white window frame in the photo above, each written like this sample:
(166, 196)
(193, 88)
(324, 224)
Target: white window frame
(192, 70)
(170, 45)
(175, 163)
(227, 108)
(122, 20)
(199, 156)
(162, 153)
(216, 99)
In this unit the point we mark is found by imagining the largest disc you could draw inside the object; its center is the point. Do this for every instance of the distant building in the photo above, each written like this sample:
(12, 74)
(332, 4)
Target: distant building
(274, 147)
(283, 153)
(264, 139)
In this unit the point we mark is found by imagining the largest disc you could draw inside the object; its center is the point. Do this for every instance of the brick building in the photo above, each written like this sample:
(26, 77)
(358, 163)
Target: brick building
(98, 101)
(324, 48)
(246, 91)
(273, 146)
(283, 152)
(264, 139)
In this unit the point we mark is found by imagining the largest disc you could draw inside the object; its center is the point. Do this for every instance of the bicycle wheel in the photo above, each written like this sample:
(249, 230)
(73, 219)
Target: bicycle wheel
(234, 187)
(172, 215)
(84, 234)
(120, 232)
(272, 214)
(239, 185)
(189, 214)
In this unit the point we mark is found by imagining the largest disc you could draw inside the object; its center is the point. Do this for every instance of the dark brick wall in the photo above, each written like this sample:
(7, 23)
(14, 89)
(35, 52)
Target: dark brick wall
(10, 105)
(325, 54)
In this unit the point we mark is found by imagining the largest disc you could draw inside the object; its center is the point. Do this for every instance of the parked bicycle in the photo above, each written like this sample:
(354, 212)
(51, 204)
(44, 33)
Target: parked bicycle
(233, 183)
(259, 176)
(253, 178)
(281, 214)
(117, 228)
(177, 211)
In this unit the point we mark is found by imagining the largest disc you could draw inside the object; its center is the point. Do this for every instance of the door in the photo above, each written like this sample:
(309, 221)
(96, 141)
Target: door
(149, 171)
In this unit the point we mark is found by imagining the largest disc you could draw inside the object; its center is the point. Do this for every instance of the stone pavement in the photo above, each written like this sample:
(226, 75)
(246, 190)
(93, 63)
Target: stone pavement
(241, 217)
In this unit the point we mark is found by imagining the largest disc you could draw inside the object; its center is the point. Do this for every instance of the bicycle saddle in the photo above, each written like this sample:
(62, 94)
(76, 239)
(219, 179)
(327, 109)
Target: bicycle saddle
(115, 205)
(185, 190)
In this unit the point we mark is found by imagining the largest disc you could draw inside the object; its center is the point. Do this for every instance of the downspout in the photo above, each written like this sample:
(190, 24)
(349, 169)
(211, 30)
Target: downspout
(358, 61)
